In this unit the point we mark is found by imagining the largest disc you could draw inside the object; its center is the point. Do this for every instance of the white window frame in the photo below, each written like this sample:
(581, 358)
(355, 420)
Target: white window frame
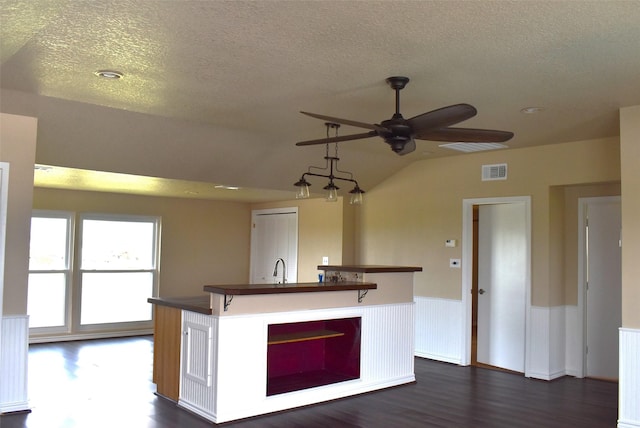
(121, 326)
(68, 271)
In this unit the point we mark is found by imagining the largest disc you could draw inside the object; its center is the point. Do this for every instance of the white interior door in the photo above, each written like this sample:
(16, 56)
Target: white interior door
(274, 235)
(604, 287)
(502, 264)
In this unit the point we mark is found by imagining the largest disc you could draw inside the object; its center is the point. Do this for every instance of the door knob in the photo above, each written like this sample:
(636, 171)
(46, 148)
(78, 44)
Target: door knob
(481, 291)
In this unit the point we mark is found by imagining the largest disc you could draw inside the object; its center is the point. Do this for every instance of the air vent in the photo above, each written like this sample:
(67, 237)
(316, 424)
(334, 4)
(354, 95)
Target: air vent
(494, 172)
(473, 147)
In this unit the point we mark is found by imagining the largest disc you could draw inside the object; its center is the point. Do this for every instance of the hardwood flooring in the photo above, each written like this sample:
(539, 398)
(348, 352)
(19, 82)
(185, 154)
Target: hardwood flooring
(107, 383)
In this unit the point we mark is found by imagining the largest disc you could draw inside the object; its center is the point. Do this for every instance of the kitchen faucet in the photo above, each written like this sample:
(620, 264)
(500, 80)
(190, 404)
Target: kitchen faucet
(284, 270)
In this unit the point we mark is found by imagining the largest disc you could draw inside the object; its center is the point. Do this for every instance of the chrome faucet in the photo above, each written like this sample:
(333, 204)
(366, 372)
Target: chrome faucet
(284, 271)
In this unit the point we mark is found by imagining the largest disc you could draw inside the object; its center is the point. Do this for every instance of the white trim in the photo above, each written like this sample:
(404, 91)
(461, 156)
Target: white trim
(629, 384)
(4, 199)
(88, 336)
(467, 280)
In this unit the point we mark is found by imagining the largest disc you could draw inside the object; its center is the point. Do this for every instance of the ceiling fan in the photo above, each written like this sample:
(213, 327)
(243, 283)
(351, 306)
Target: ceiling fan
(400, 133)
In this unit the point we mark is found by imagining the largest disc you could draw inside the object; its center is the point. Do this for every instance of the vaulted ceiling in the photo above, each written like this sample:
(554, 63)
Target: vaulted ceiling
(211, 90)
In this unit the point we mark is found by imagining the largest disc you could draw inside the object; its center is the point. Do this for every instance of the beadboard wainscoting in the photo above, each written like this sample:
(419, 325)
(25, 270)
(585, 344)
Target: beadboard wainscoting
(229, 382)
(547, 343)
(438, 329)
(629, 386)
(14, 349)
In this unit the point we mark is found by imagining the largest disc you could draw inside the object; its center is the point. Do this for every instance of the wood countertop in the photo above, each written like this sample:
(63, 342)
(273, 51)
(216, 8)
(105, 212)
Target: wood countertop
(294, 287)
(369, 268)
(200, 304)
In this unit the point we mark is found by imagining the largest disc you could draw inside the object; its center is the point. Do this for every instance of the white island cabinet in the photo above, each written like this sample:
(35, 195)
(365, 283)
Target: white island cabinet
(266, 347)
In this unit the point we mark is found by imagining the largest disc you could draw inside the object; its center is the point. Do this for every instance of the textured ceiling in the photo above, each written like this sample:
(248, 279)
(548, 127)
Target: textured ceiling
(212, 89)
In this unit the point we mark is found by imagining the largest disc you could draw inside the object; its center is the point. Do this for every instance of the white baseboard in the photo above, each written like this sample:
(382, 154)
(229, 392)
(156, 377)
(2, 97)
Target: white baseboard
(14, 353)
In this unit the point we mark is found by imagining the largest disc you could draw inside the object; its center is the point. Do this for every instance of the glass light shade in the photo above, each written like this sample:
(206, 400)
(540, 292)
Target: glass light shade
(302, 192)
(332, 192)
(356, 198)
(356, 195)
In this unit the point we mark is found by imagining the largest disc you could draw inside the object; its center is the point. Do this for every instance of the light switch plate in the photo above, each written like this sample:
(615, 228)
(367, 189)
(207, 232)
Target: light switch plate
(450, 243)
(325, 260)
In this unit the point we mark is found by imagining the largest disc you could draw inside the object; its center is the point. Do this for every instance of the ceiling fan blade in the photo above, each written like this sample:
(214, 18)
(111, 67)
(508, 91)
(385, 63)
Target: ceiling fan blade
(337, 139)
(341, 121)
(441, 118)
(465, 135)
(408, 148)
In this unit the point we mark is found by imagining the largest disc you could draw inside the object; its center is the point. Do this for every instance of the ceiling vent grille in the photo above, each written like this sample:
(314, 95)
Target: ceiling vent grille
(494, 172)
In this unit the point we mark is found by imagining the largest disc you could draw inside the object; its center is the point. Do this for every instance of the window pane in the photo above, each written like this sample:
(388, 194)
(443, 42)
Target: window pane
(48, 247)
(46, 300)
(116, 297)
(117, 245)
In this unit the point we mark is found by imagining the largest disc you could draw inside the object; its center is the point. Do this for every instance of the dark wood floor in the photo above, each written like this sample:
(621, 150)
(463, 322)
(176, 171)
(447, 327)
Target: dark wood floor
(107, 383)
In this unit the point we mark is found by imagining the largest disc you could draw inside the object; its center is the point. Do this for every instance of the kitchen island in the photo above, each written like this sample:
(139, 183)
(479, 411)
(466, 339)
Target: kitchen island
(251, 349)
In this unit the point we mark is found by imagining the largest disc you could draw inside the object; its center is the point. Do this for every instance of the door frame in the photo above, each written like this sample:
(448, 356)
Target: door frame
(582, 269)
(467, 271)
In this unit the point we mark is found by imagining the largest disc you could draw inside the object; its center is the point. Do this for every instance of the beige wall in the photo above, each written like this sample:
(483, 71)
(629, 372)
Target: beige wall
(324, 229)
(203, 242)
(407, 218)
(18, 148)
(630, 171)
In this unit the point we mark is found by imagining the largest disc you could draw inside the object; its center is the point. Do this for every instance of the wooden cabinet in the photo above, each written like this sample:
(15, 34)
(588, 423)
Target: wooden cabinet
(166, 351)
(303, 355)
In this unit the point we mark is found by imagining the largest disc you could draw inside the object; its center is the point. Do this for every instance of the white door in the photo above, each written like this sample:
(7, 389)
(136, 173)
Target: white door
(274, 235)
(502, 252)
(604, 286)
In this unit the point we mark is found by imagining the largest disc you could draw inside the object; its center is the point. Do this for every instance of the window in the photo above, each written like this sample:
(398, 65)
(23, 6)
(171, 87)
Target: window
(93, 276)
(118, 268)
(49, 270)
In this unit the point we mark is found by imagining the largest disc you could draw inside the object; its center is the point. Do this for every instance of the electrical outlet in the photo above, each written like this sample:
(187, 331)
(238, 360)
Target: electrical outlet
(454, 263)
(325, 260)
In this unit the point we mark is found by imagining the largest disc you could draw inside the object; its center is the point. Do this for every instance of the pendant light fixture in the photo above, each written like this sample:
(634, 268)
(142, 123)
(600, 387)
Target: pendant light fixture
(331, 165)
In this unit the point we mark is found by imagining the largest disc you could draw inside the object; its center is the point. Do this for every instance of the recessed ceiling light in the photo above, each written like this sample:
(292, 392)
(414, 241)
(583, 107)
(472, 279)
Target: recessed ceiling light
(109, 74)
(473, 147)
(44, 168)
(222, 186)
(531, 110)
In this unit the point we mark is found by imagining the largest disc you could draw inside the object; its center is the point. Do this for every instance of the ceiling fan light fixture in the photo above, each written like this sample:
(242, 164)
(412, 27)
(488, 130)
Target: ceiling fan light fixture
(400, 133)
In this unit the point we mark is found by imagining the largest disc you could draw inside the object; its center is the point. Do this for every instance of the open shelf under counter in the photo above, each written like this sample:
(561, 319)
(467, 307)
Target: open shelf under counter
(308, 354)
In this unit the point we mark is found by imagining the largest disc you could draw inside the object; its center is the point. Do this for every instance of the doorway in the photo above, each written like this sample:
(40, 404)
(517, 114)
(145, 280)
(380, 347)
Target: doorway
(274, 236)
(496, 281)
(600, 284)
